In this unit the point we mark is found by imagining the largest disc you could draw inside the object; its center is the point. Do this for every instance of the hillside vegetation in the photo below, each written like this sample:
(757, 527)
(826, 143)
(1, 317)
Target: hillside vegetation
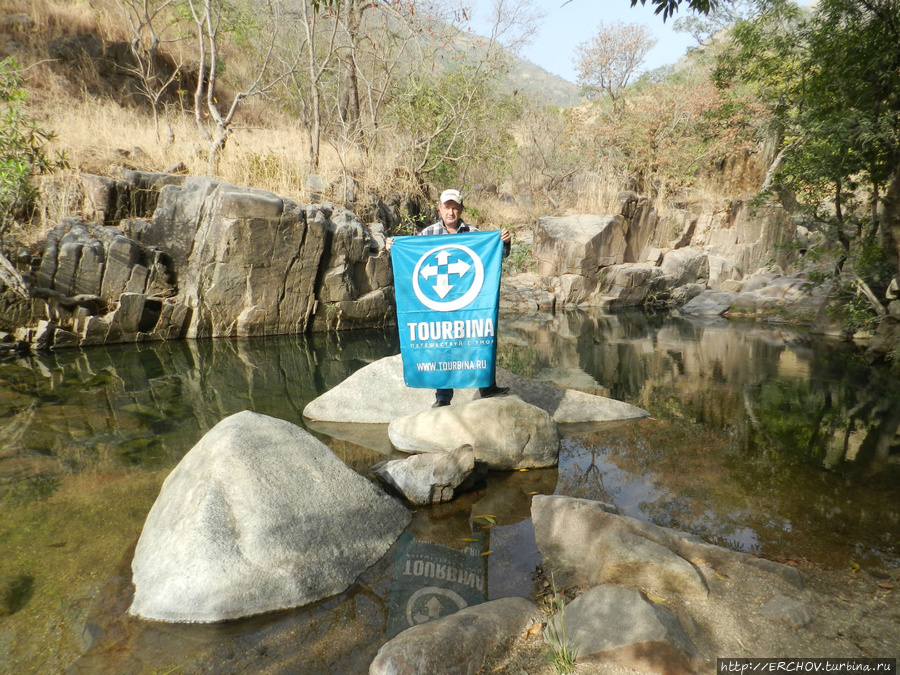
(796, 107)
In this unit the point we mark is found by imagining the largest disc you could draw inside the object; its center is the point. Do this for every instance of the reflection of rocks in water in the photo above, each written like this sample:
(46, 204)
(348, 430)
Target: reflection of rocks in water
(147, 404)
(339, 635)
(372, 436)
(355, 456)
(762, 381)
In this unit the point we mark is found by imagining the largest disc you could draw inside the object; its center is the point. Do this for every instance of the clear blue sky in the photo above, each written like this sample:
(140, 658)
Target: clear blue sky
(564, 27)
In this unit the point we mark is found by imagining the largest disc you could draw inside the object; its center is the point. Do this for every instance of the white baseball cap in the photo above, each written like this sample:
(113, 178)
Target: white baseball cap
(451, 196)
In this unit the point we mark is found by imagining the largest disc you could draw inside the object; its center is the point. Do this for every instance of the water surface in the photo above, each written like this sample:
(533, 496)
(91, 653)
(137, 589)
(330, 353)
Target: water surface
(760, 439)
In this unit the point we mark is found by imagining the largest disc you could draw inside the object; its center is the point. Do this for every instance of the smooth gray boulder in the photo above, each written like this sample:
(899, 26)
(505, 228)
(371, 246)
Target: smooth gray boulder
(794, 295)
(459, 643)
(709, 303)
(505, 432)
(377, 394)
(587, 542)
(258, 516)
(428, 479)
(632, 560)
(628, 285)
(618, 625)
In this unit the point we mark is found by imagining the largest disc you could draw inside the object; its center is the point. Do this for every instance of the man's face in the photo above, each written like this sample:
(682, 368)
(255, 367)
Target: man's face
(450, 212)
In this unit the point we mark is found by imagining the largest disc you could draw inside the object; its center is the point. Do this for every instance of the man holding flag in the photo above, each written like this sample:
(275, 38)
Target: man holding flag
(447, 315)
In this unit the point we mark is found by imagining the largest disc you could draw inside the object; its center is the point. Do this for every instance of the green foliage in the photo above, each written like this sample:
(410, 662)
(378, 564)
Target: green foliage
(871, 263)
(830, 80)
(668, 8)
(23, 152)
(520, 259)
(453, 122)
(854, 311)
(560, 653)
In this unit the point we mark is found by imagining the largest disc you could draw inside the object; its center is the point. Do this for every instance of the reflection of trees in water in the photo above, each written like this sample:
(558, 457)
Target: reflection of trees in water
(819, 404)
(145, 405)
(789, 446)
(847, 415)
(582, 477)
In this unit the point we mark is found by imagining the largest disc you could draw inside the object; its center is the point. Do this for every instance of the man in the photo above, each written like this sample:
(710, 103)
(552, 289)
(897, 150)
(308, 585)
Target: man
(450, 208)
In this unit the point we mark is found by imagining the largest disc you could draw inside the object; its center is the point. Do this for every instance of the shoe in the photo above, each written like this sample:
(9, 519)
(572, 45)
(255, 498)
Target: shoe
(440, 404)
(494, 391)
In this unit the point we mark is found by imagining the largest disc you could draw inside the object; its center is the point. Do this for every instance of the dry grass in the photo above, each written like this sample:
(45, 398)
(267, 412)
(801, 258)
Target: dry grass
(273, 158)
(102, 134)
(597, 193)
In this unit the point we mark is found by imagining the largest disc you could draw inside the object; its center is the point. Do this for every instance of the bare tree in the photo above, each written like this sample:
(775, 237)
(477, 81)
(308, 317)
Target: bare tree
(320, 28)
(217, 124)
(607, 62)
(151, 21)
(451, 115)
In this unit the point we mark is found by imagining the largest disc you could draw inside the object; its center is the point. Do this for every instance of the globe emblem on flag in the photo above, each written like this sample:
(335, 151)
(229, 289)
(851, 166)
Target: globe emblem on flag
(448, 277)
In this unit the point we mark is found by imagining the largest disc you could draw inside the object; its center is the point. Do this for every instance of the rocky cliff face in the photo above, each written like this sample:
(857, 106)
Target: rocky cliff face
(622, 259)
(169, 257)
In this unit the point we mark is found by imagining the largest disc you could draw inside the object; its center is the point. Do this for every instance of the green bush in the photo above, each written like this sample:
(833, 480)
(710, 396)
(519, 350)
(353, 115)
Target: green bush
(23, 149)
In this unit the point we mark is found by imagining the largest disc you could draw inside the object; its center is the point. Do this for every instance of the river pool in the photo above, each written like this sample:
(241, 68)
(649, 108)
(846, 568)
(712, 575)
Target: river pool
(760, 439)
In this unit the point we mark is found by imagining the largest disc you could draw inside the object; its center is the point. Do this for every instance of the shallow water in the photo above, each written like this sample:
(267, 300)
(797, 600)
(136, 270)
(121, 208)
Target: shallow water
(760, 440)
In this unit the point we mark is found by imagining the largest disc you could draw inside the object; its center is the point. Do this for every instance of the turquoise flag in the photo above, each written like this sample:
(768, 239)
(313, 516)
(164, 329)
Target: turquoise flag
(447, 289)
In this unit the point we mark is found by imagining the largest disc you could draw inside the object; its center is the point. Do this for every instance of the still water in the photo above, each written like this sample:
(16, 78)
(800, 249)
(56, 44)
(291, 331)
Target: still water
(760, 440)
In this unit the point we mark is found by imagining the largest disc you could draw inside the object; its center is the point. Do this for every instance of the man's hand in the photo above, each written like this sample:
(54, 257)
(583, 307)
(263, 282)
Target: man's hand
(388, 242)
(505, 236)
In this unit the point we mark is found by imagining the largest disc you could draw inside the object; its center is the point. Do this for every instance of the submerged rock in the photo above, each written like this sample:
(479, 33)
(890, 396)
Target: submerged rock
(459, 643)
(258, 516)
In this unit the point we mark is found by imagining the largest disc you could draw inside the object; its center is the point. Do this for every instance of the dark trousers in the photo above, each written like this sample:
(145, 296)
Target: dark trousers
(446, 395)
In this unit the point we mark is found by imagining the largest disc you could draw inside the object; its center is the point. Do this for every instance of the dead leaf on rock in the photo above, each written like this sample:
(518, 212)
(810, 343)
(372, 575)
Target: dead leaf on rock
(534, 629)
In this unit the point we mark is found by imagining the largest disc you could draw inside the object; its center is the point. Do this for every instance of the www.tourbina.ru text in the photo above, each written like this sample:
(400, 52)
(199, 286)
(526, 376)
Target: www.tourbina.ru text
(434, 366)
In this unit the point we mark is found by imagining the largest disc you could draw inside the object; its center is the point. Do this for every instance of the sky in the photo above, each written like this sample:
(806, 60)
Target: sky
(565, 26)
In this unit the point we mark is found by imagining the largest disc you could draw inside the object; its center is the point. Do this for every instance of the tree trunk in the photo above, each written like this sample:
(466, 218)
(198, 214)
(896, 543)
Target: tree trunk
(349, 105)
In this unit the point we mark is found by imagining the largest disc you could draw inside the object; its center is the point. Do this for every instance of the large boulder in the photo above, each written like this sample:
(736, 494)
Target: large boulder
(793, 296)
(614, 624)
(246, 272)
(587, 543)
(686, 266)
(629, 284)
(377, 394)
(709, 303)
(505, 432)
(524, 293)
(258, 516)
(581, 244)
(459, 643)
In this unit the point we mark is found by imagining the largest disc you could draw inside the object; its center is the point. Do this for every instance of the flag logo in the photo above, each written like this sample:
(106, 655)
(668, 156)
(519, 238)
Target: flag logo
(447, 292)
(448, 278)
